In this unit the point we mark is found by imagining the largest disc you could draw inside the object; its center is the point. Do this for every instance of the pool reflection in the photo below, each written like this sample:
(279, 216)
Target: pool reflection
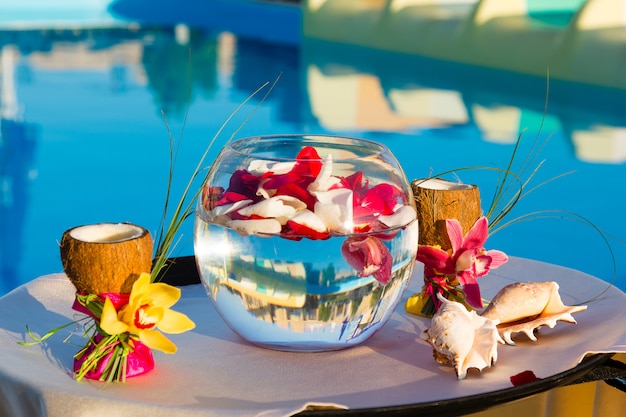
(417, 106)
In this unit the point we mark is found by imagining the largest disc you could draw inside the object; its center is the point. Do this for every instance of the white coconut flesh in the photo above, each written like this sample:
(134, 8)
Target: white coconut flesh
(106, 257)
(439, 184)
(106, 232)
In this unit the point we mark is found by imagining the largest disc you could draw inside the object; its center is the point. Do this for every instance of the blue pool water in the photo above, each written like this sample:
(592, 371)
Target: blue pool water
(83, 137)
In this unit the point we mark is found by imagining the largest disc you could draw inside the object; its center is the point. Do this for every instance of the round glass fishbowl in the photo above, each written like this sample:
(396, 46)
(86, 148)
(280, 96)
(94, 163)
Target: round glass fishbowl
(305, 242)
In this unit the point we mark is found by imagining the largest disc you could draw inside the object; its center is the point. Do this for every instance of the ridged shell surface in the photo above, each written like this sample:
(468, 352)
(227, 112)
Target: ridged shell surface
(523, 307)
(462, 338)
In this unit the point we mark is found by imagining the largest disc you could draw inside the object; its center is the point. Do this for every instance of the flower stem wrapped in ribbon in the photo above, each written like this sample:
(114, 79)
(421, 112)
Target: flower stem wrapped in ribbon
(454, 273)
(127, 327)
(104, 262)
(146, 314)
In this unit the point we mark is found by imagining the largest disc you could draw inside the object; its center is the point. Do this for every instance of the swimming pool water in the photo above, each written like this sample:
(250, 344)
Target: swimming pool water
(84, 140)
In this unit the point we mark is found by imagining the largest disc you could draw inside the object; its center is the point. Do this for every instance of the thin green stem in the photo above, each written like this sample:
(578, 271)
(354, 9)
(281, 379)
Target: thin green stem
(571, 216)
(185, 206)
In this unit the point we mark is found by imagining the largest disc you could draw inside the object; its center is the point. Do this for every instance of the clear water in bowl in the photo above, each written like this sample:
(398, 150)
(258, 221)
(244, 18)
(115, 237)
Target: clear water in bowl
(298, 295)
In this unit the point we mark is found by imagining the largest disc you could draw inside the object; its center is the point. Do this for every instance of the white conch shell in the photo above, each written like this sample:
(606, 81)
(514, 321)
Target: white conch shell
(462, 338)
(526, 306)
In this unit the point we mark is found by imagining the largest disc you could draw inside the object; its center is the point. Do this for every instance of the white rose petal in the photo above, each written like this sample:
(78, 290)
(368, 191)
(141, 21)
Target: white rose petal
(282, 208)
(259, 166)
(331, 217)
(292, 201)
(335, 209)
(260, 191)
(219, 214)
(255, 226)
(324, 179)
(401, 217)
(311, 220)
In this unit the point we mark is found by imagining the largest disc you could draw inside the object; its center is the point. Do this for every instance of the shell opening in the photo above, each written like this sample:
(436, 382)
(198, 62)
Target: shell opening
(462, 338)
(524, 307)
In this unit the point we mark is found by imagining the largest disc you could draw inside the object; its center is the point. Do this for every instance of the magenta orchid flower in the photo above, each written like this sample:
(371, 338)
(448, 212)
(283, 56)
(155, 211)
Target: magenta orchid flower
(467, 261)
(369, 256)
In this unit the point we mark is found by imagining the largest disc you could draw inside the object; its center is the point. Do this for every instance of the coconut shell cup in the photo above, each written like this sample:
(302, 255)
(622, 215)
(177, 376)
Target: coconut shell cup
(106, 257)
(436, 201)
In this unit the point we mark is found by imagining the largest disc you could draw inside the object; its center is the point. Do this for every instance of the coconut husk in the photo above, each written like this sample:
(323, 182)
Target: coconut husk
(106, 257)
(436, 201)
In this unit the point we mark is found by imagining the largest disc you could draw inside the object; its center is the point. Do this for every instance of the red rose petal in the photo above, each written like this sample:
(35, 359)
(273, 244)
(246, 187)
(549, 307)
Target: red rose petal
(298, 230)
(297, 191)
(244, 183)
(524, 378)
(230, 197)
(308, 162)
(381, 199)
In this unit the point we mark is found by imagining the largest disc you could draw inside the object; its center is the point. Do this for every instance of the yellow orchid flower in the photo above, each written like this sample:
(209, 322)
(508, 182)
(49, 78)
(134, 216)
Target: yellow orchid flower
(148, 308)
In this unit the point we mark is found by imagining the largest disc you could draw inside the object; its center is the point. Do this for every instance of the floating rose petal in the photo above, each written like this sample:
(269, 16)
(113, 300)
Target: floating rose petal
(401, 217)
(295, 182)
(299, 191)
(310, 220)
(325, 180)
(255, 226)
(369, 256)
(296, 231)
(229, 197)
(244, 183)
(282, 208)
(369, 203)
(228, 208)
(378, 200)
(275, 182)
(259, 167)
(356, 183)
(306, 224)
(308, 163)
(334, 208)
(306, 200)
(263, 192)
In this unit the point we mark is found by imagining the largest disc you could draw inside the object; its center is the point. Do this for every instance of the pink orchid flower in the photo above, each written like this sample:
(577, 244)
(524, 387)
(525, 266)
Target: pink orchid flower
(467, 261)
(369, 256)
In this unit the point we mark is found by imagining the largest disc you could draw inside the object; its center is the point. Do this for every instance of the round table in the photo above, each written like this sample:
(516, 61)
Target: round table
(215, 372)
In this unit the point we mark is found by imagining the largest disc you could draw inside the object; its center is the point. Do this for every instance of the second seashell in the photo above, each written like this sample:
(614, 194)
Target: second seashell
(526, 306)
(462, 338)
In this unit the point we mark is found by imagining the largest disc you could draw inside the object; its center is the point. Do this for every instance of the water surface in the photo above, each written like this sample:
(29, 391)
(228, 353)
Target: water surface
(85, 116)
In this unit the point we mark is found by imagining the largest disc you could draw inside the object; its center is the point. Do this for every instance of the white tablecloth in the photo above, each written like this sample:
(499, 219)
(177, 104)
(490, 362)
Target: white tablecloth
(215, 373)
